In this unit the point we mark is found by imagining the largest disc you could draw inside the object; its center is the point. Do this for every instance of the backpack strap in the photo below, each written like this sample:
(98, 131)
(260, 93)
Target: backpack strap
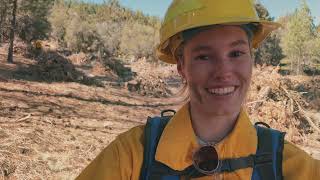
(152, 134)
(267, 163)
(270, 142)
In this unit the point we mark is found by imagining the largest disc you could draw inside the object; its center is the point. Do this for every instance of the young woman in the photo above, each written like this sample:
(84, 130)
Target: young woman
(211, 136)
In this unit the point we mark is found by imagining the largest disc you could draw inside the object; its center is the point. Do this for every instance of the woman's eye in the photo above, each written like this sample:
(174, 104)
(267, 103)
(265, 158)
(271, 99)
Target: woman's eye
(236, 53)
(202, 57)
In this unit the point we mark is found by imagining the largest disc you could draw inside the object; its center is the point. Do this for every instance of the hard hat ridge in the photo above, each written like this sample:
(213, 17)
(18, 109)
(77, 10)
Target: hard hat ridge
(183, 15)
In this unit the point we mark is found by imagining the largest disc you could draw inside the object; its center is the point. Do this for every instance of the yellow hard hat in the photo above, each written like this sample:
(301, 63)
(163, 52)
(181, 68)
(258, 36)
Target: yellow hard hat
(188, 14)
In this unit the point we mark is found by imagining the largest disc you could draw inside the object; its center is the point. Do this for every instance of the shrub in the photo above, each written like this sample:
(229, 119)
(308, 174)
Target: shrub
(109, 36)
(138, 40)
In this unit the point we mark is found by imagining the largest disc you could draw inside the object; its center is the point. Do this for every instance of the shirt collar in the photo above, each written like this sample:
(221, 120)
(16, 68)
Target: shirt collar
(178, 140)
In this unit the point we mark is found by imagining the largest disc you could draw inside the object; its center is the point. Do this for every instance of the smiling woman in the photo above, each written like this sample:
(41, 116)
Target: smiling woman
(217, 66)
(211, 136)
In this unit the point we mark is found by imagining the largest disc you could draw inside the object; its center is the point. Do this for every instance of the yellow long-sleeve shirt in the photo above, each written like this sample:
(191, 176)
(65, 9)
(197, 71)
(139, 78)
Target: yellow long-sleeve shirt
(123, 158)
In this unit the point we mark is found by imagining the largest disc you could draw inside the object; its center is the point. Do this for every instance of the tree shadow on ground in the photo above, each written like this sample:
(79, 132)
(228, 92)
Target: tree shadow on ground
(99, 100)
(48, 67)
(58, 115)
(120, 68)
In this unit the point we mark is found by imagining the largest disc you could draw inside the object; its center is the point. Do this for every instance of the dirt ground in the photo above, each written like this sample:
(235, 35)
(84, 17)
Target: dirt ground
(53, 130)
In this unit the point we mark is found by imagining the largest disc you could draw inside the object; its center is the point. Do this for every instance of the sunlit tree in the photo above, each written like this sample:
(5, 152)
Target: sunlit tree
(300, 31)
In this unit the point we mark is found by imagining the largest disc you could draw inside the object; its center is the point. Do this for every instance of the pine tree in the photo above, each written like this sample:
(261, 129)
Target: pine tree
(263, 13)
(300, 30)
(269, 52)
(4, 14)
(34, 19)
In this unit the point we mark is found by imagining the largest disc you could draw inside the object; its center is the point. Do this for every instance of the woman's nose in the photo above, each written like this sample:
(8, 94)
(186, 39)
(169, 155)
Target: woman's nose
(221, 68)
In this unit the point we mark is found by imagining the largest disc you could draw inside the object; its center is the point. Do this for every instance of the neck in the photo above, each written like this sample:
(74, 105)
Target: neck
(212, 127)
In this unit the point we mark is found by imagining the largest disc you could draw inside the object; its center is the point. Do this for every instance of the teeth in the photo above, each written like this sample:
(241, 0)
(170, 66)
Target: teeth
(222, 91)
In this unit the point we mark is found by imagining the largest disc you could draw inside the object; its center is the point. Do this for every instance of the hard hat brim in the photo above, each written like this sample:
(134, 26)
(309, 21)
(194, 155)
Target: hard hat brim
(164, 53)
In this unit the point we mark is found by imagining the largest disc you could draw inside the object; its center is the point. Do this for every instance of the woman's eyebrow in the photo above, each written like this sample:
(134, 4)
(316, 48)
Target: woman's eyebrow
(207, 47)
(201, 48)
(238, 42)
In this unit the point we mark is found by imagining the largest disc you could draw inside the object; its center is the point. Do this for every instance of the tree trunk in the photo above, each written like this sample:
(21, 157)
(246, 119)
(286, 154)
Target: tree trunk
(299, 58)
(13, 28)
(3, 16)
(291, 66)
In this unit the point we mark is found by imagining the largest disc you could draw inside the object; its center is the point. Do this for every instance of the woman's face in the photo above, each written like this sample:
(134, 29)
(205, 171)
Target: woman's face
(217, 66)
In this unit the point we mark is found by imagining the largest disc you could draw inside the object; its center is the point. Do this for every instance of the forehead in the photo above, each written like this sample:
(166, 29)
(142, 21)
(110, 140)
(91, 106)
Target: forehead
(219, 36)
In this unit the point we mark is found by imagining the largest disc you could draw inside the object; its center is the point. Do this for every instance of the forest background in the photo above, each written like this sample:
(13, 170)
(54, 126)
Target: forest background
(112, 30)
(74, 74)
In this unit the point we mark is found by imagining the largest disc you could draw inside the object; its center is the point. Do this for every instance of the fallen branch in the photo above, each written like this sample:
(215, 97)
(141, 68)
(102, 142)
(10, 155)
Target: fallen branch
(311, 122)
(23, 119)
(314, 116)
(301, 111)
(17, 121)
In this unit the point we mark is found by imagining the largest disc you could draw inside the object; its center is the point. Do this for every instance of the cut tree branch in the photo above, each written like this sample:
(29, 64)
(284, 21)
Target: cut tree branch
(301, 111)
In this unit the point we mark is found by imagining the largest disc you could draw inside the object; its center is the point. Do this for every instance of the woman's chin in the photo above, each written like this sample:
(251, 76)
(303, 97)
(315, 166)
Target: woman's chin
(222, 109)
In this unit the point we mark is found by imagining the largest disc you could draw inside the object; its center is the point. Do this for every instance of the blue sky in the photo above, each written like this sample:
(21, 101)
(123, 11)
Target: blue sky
(276, 7)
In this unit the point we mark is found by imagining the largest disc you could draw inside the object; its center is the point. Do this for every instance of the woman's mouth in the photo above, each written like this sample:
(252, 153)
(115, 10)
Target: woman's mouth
(222, 91)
